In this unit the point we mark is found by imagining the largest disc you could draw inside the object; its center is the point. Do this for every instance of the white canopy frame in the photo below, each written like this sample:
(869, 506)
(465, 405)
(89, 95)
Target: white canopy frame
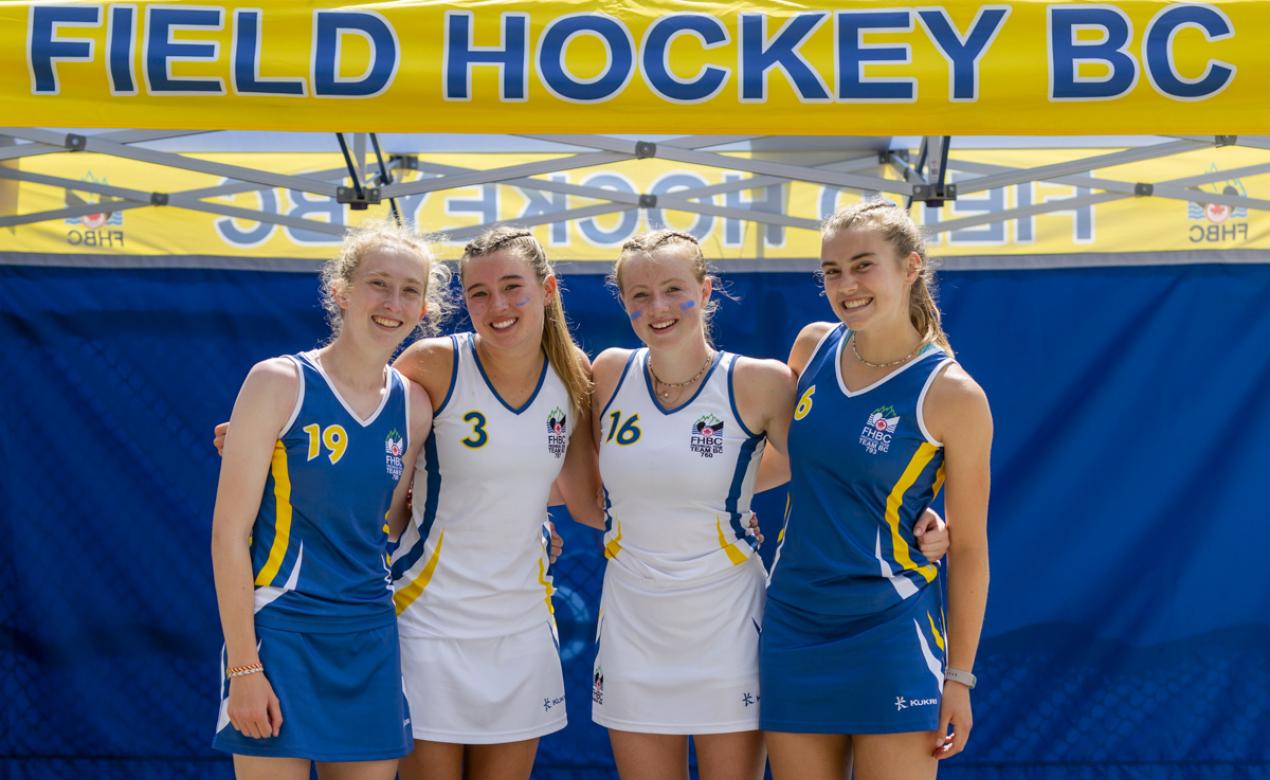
(853, 163)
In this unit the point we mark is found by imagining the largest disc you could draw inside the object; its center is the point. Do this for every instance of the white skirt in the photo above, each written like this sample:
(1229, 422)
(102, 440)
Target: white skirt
(484, 691)
(679, 658)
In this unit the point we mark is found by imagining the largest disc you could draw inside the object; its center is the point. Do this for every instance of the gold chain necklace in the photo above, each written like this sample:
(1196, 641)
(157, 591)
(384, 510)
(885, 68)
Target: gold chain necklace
(856, 351)
(666, 393)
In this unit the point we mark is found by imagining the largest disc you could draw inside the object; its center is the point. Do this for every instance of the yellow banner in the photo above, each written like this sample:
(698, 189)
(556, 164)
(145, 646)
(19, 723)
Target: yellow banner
(1132, 224)
(860, 68)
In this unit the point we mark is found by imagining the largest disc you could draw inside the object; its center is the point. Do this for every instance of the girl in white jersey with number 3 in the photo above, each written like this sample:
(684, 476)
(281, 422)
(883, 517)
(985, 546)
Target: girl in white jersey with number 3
(480, 655)
(681, 429)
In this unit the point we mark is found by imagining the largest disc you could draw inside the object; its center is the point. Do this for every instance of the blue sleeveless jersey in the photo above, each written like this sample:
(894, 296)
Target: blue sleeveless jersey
(863, 469)
(319, 542)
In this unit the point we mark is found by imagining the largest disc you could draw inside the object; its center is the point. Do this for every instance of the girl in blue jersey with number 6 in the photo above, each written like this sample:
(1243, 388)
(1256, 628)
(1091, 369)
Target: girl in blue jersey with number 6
(857, 661)
(323, 444)
(681, 428)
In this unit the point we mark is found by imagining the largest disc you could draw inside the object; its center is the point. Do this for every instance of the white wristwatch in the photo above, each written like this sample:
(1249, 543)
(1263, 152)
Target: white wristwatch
(958, 676)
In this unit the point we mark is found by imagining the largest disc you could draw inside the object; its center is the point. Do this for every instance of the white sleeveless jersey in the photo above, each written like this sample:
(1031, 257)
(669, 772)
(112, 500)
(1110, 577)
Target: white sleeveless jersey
(677, 482)
(472, 563)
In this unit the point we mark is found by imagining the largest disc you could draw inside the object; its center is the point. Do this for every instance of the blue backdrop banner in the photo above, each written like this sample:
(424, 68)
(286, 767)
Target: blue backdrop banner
(1127, 632)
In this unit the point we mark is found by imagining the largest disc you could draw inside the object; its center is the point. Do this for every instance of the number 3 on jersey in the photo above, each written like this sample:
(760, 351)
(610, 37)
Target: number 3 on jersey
(626, 432)
(477, 438)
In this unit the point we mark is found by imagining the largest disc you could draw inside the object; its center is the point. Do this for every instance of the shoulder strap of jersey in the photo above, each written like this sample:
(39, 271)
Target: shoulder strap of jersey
(456, 360)
(300, 361)
(935, 371)
(623, 378)
(824, 347)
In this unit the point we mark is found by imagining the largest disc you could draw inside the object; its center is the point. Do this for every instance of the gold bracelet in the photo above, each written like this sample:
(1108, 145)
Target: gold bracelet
(243, 671)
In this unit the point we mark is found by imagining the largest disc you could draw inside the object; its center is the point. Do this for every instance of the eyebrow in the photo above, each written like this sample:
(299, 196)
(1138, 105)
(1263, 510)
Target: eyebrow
(386, 275)
(673, 280)
(503, 278)
(852, 259)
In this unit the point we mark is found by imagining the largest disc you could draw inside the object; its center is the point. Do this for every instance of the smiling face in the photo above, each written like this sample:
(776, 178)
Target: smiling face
(662, 295)
(865, 281)
(385, 296)
(505, 300)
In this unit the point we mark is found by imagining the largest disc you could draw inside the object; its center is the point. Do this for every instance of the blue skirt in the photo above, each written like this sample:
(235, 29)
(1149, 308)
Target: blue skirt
(340, 694)
(877, 674)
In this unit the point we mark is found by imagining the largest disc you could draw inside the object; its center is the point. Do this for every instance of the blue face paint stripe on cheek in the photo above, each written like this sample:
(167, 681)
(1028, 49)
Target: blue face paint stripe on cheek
(686, 305)
(636, 314)
(522, 303)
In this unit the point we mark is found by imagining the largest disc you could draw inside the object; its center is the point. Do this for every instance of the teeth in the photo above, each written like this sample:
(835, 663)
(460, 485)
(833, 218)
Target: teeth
(661, 325)
(385, 322)
(503, 324)
(856, 303)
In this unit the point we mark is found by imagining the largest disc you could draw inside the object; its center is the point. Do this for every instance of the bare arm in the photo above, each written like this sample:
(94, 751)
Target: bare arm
(958, 413)
(773, 469)
(429, 363)
(420, 427)
(578, 484)
(765, 400)
(267, 397)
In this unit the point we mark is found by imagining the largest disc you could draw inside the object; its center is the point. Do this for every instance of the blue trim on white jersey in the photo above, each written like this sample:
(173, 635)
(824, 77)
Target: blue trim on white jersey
(542, 377)
(454, 374)
(625, 370)
(732, 397)
(652, 393)
(401, 565)
(734, 491)
(608, 508)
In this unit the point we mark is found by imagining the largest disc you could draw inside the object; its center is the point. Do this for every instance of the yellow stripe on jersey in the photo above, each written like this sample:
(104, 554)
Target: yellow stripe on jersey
(939, 482)
(734, 555)
(407, 595)
(546, 586)
(281, 517)
(939, 638)
(921, 458)
(615, 544)
(780, 537)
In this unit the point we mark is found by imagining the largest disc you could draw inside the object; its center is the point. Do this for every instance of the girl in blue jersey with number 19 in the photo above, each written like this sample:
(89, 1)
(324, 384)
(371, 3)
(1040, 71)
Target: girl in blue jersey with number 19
(319, 447)
(858, 663)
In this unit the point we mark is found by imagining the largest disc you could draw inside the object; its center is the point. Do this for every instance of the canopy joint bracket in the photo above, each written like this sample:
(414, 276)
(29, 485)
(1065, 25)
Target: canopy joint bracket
(359, 198)
(935, 194)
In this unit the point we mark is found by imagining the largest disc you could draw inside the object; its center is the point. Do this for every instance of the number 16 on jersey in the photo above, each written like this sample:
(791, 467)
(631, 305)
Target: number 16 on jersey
(623, 433)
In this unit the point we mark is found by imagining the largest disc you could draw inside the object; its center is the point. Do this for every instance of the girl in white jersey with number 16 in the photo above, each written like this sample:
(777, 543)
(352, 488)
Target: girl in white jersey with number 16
(681, 429)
